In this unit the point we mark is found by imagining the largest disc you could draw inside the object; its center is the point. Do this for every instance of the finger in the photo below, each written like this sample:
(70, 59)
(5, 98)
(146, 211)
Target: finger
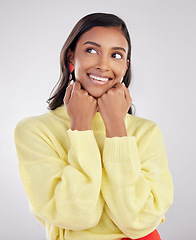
(118, 85)
(116, 88)
(119, 88)
(127, 94)
(68, 94)
(77, 86)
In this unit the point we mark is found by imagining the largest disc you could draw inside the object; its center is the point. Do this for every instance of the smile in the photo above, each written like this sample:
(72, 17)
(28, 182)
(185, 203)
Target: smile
(98, 78)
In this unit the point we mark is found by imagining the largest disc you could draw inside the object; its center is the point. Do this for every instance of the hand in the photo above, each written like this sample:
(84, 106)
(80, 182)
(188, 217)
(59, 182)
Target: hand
(113, 107)
(81, 107)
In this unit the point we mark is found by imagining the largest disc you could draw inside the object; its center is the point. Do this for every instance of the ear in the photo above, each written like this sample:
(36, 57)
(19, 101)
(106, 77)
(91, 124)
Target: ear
(127, 64)
(70, 56)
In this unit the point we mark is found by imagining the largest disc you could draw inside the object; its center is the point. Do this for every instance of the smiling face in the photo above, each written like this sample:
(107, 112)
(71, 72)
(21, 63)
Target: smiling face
(100, 59)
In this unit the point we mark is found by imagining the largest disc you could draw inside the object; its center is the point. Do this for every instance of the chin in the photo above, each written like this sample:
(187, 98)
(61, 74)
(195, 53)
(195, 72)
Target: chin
(96, 95)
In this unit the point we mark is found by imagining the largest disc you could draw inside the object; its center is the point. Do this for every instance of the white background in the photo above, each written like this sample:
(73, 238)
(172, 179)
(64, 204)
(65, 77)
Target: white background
(163, 37)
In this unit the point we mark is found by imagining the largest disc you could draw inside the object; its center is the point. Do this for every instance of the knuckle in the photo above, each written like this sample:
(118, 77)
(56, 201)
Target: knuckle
(84, 93)
(119, 91)
(76, 92)
(99, 101)
(91, 99)
(110, 92)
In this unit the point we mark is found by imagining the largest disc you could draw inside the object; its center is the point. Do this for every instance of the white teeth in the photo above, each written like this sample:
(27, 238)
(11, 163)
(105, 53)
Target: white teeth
(99, 78)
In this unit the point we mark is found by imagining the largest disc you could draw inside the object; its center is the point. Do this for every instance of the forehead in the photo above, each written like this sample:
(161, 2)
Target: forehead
(110, 36)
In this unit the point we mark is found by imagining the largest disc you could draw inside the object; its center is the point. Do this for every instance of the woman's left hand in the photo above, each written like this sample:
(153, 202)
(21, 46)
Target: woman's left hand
(113, 107)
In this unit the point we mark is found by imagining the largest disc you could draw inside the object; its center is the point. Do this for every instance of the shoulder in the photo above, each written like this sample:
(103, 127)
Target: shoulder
(44, 132)
(144, 130)
(140, 125)
(45, 122)
(148, 135)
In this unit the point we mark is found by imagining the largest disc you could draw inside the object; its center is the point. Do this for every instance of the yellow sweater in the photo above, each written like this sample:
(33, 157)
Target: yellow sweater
(84, 186)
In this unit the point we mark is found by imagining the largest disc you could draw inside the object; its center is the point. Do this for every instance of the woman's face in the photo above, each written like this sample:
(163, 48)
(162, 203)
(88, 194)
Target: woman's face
(100, 59)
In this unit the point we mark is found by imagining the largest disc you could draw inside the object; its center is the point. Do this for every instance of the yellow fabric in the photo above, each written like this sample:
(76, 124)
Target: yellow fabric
(84, 186)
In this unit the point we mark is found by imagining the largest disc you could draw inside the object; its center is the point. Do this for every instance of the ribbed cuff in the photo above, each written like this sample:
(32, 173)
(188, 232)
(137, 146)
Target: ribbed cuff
(82, 141)
(119, 149)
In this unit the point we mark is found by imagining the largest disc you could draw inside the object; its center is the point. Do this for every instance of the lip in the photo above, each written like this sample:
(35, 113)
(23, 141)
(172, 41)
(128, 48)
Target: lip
(98, 75)
(99, 82)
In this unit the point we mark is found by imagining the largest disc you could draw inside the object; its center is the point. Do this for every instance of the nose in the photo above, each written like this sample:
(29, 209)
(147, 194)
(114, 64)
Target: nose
(103, 63)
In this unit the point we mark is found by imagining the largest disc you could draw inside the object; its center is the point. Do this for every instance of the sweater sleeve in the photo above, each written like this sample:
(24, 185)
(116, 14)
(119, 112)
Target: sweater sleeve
(63, 188)
(137, 187)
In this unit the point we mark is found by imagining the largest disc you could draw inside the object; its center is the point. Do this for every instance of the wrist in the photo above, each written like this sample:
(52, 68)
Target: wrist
(80, 126)
(116, 129)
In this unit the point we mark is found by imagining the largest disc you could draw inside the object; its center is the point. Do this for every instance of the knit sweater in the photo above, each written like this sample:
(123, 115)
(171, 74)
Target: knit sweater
(82, 185)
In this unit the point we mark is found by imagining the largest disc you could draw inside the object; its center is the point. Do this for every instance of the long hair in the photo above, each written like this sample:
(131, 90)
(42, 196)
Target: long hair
(84, 25)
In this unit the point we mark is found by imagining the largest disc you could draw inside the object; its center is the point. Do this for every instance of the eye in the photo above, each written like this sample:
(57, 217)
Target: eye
(117, 55)
(91, 50)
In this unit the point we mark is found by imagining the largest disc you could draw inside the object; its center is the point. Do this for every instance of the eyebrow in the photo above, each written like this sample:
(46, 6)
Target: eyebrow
(98, 45)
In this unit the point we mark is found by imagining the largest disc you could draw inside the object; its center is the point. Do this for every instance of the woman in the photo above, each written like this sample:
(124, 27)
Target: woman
(92, 170)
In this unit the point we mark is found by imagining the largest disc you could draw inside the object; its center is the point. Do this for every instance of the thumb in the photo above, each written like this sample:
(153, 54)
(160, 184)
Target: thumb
(127, 94)
(68, 93)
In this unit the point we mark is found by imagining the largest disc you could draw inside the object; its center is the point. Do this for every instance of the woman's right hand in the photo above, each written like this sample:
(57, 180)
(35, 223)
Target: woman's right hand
(81, 107)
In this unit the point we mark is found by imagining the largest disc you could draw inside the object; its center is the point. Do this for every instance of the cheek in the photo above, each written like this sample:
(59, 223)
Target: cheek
(78, 69)
(120, 71)
(125, 67)
(81, 65)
